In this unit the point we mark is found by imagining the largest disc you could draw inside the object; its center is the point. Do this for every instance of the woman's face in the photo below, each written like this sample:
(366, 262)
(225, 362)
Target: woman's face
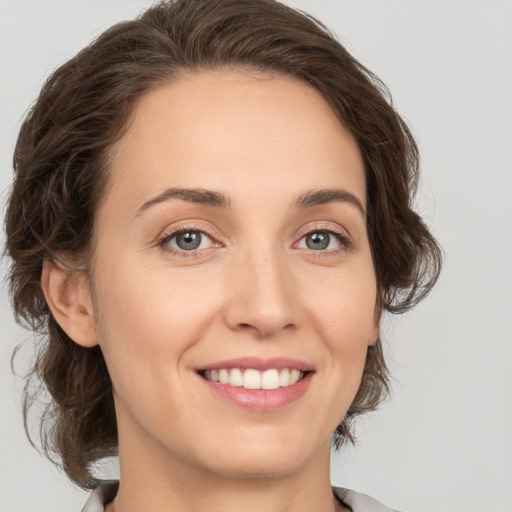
(232, 244)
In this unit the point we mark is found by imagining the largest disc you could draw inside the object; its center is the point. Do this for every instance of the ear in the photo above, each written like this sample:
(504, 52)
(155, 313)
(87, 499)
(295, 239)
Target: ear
(69, 298)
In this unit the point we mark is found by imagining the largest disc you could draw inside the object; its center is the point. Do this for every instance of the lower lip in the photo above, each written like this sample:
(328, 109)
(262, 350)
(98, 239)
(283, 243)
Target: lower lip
(260, 399)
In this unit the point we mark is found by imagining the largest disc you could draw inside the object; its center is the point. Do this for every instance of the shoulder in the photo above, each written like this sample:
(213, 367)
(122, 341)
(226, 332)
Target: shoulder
(105, 492)
(360, 502)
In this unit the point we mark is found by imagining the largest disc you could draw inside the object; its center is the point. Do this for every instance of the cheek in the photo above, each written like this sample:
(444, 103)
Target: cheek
(149, 316)
(344, 316)
(345, 307)
(146, 325)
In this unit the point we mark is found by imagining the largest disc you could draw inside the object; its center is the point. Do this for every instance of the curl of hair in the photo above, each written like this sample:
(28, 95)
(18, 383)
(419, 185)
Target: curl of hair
(61, 175)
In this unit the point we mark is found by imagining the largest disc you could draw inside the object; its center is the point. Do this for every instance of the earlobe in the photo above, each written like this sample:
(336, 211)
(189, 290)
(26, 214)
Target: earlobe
(69, 299)
(374, 337)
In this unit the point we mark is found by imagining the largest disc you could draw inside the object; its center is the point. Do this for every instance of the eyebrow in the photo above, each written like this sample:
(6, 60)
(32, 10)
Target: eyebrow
(192, 195)
(328, 195)
(211, 198)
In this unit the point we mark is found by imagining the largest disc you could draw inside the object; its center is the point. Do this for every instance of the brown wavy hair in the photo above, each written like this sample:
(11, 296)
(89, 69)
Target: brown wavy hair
(61, 173)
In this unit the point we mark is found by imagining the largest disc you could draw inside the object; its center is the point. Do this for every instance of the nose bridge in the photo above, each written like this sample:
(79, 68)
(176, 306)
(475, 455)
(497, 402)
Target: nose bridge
(261, 286)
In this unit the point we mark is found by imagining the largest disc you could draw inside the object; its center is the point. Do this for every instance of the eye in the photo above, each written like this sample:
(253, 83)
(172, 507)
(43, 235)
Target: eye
(321, 241)
(186, 240)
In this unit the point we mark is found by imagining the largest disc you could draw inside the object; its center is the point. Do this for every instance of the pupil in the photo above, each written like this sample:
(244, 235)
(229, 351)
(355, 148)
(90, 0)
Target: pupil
(318, 241)
(189, 240)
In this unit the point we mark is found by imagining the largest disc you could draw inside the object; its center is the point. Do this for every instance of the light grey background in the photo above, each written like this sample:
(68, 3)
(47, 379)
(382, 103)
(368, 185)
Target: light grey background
(443, 443)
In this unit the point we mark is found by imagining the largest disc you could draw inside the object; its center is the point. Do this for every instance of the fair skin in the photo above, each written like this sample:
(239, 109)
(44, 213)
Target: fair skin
(261, 283)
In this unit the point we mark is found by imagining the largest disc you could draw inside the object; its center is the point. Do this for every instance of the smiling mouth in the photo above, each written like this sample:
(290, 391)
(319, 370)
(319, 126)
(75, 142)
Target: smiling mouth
(250, 378)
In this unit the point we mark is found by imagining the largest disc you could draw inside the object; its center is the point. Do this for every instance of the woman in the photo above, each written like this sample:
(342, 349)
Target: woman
(210, 213)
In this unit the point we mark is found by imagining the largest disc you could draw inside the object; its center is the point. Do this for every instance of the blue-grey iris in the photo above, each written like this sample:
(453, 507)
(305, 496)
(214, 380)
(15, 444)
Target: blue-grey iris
(189, 240)
(318, 241)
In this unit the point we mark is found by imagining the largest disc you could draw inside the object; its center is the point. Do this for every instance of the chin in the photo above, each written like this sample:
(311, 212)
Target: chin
(262, 459)
(244, 468)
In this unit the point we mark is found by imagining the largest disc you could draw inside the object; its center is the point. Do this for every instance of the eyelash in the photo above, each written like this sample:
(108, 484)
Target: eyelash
(343, 239)
(167, 237)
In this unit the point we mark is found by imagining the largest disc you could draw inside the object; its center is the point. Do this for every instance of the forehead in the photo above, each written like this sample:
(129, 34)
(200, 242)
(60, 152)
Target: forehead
(234, 129)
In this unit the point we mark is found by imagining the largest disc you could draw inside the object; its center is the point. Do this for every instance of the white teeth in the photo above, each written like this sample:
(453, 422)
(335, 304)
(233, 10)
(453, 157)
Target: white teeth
(284, 377)
(236, 378)
(294, 376)
(223, 376)
(270, 379)
(254, 379)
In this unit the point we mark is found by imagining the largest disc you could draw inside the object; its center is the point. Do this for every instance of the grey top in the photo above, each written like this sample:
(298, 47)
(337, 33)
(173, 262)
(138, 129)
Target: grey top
(356, 501)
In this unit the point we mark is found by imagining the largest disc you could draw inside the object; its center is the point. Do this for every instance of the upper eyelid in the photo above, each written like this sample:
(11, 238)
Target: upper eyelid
(164, 245)
(171, 231)
(172, 234)
(213, 233)
(327, 226)
(343, 238)
(166, 238)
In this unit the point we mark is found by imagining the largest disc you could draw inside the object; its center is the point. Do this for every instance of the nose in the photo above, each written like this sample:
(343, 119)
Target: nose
(261, 297)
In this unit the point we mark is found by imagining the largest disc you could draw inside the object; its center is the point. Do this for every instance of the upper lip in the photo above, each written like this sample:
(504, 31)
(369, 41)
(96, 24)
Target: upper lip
(257, 363)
